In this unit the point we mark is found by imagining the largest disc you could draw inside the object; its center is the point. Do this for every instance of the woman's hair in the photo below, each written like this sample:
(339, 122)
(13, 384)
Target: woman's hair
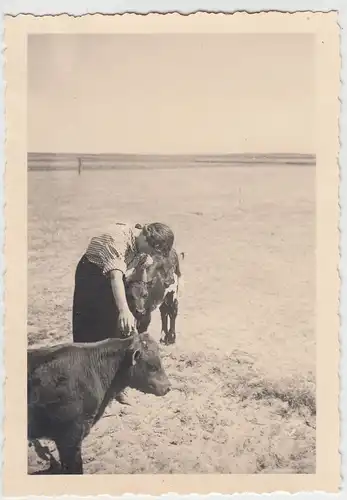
(159, 236)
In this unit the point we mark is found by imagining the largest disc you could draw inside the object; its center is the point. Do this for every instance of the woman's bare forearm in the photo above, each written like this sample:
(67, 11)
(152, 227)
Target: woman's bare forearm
(118, 290)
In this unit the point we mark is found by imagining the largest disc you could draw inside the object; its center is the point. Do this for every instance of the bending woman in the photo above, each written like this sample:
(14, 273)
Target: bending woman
(100, 307)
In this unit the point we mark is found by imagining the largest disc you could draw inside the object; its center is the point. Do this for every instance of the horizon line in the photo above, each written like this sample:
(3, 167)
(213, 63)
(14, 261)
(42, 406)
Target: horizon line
(283, 153)
(131, 161)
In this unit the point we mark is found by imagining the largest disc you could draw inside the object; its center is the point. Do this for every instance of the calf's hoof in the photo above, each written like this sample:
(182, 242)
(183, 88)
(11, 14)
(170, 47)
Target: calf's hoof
(168, 340)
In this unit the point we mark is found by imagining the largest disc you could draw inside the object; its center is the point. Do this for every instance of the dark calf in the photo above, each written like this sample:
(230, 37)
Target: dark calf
(157, 285)
(69, 387)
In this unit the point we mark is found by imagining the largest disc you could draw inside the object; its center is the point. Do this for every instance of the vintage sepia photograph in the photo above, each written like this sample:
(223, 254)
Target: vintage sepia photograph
(217, 375)
(173, 196)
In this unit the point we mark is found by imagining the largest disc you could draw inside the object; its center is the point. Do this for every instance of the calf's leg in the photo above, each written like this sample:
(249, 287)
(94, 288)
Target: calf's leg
(169, 309)
(164, 321)
(69, 445)
(173, 315)
(70, 458)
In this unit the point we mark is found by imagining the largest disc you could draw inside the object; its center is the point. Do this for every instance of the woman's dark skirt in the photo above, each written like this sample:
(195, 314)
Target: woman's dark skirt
(94, 312)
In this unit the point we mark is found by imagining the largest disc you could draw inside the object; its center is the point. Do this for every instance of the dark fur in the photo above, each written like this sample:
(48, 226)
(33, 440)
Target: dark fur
(69, 387)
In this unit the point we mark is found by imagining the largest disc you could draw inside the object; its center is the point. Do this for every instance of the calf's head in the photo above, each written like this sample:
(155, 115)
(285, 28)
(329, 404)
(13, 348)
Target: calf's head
(137, 295)
(145, 283)
(136, 285)
(147, 372)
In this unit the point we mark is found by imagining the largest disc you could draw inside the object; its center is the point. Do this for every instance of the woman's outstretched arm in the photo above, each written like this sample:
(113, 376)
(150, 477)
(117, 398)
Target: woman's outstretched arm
(126, 320)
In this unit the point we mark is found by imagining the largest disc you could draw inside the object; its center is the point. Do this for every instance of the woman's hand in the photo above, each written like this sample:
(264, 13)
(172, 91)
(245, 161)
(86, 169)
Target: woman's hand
(126, 322)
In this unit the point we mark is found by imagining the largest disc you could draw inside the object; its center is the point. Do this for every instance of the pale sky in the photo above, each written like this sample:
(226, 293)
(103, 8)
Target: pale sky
(185, 93)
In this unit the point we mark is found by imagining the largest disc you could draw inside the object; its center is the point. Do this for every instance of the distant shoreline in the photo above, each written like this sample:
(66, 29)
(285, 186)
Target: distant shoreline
(118, 161)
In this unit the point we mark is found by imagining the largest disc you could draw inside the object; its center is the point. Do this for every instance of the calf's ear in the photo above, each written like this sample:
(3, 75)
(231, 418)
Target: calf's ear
(135, 356)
